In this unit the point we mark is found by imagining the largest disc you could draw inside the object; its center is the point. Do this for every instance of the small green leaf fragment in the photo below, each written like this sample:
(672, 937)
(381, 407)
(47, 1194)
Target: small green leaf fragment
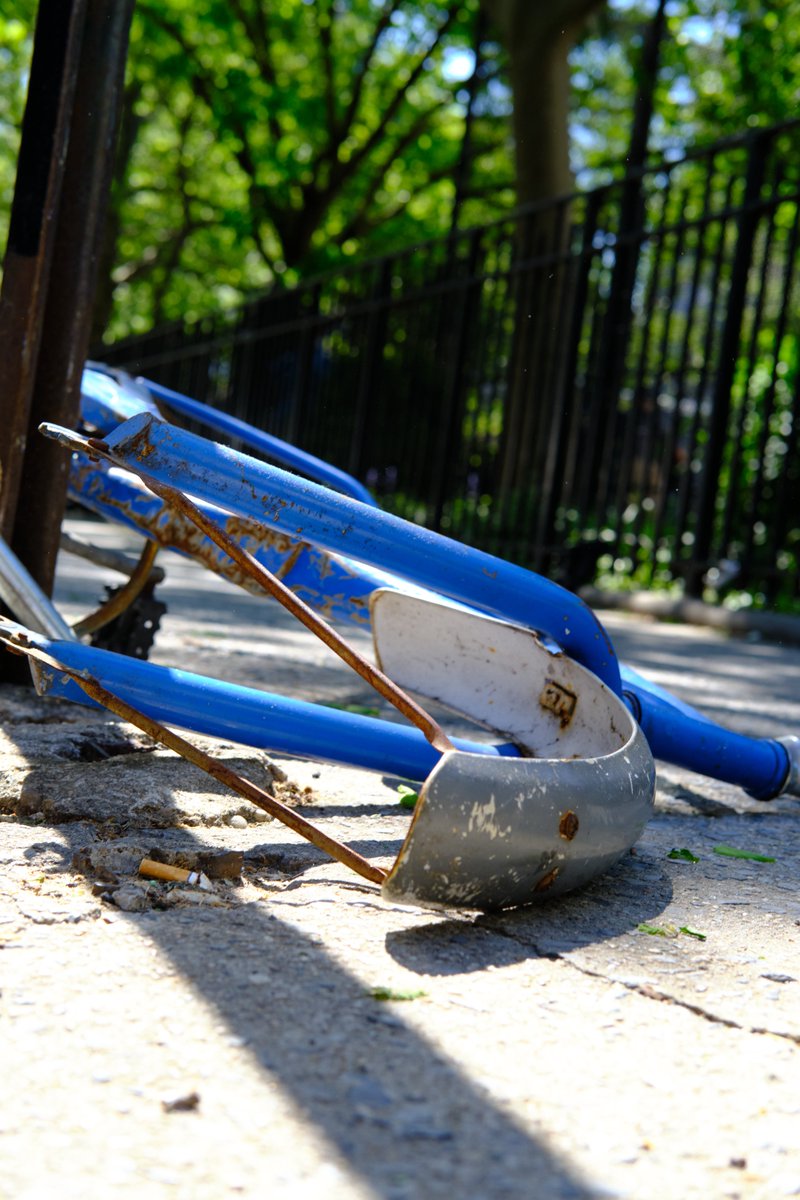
(388, 993)
(408, 797)
(695, 933)
(732, 852)
(683, 854)
(362, 710)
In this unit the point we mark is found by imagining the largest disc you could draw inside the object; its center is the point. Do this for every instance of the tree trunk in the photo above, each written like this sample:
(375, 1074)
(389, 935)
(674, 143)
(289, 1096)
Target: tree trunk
(538, 36)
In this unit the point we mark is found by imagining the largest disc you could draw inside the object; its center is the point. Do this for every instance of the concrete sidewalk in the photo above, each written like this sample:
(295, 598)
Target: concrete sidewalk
(559, 1051)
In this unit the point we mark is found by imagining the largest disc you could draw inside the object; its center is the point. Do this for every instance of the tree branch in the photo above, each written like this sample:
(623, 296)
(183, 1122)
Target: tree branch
(255, 26)
(360, 72)
(408, 138)
(342, 171)
(203, 89)
(324, 21)
(366, 225)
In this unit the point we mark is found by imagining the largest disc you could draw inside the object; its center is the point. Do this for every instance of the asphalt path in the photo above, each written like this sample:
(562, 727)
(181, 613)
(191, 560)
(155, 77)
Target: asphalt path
(636, 1039)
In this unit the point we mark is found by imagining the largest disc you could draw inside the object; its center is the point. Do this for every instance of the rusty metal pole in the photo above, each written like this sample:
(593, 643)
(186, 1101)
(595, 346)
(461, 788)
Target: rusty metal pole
(26, 268)
(73, 275)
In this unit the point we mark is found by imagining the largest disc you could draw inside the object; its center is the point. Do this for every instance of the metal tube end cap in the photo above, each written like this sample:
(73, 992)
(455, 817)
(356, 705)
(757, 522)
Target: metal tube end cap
(792, 746)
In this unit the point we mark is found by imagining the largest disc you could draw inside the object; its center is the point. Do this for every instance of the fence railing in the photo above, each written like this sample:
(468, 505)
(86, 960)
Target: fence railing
(610, 382)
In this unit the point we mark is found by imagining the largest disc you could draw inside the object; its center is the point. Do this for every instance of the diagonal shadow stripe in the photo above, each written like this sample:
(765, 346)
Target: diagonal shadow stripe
(402, 1114)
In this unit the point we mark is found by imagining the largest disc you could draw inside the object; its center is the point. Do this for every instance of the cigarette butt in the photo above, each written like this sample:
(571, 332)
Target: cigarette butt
(157, 870)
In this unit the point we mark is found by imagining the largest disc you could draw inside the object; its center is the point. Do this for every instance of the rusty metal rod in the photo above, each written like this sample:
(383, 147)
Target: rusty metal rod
(368, 671)
(123, 597)
(237, 783)
(251, 791)
(104, 556)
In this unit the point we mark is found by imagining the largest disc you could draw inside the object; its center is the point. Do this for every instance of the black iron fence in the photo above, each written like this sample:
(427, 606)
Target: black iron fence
(608, 383)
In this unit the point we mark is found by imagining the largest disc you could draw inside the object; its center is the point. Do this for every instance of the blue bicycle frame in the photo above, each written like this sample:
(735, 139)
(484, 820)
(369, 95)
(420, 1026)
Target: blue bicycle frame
(361, 541)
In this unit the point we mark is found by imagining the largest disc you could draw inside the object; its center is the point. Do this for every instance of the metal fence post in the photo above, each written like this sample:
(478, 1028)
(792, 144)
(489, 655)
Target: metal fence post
(372, 356)
(456, 349)
(726, 366)
(302, 380)
(32, 230)
(66, 329)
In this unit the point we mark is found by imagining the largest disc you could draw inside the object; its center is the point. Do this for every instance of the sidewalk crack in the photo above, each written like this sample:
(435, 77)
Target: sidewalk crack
(647, 990)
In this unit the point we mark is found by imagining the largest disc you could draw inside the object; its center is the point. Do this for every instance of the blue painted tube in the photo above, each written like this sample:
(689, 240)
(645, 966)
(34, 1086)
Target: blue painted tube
(678, 734)
(105, 402)
(265, 443)
(329, 584)
(304, 510)
(255, 718)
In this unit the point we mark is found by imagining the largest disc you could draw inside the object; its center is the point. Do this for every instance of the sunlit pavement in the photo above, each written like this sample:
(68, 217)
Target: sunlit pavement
(639, 1038)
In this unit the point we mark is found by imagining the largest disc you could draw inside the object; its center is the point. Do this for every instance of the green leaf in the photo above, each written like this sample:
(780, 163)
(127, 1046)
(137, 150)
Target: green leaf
(732, 852)
(388, 993)
(408, 797)
(363, 710)
(683, 854)
(701, 937)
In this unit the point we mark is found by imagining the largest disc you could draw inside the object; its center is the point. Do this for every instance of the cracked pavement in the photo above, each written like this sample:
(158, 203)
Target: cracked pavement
(232, 1043)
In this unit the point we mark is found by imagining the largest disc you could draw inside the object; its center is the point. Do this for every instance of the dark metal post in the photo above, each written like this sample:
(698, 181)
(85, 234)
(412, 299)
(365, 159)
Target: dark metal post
(728, 358)
(564, 417)
(66, 328)
(374, 339)
(618, 316)
(455, 349)
(32, 231)
(302, 380)
(463, 169)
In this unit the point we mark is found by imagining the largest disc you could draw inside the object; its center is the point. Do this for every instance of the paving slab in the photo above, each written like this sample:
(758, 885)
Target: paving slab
(292, 1032)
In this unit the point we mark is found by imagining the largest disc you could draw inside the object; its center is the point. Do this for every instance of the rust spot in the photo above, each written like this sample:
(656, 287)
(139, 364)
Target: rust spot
(559, 700)
(547, 881)
(568, 825)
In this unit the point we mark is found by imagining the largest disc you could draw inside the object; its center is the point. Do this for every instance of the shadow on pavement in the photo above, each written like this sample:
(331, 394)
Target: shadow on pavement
(635, 890)
(402, 1114)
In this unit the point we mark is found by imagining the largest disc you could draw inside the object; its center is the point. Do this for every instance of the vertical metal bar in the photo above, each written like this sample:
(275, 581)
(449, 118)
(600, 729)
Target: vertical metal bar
(648, 456)
(372, 355)
(67, 321)
(726, 367)
(619, 314)
(589, 329)
(626, 463)
(565, 415)
(545, 362)
(768, 401)
(456, 351)
(302, 379)
(686, 491)
(32, 231)
(787, 487)
(733, 500)
(667, 470)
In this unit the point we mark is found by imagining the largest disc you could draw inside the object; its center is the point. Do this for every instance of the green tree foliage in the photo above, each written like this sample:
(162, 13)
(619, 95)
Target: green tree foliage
(275, 139)
(261, 140)
(15, 50)
(726, 66)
